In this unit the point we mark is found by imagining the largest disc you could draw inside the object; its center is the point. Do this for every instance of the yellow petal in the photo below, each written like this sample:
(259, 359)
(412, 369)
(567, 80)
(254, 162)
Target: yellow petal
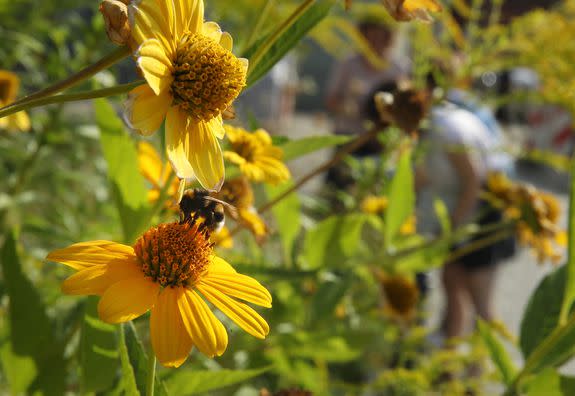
(9, 84)
(153, 19)
(263, 136)
(218, 264)
(96, 279)
(234, 158)
(239, 286)
(227, 41)
(244, 316)
(127, 299)
(19, 121)
(429, 5)
(145, 111)
(170, 339)
(205, 155)
(149, 163)
(86, 254)
(189, 16)
(156, 67)
(212, 30)
(177, 145)
(207, 332)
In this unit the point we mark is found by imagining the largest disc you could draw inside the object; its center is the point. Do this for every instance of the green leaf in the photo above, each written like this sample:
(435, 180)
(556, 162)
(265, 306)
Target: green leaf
(546, 383)
(98, 350)
(284, 40)
(332, 241)
(541, 315)
(127, 183)
(498, 352)
(325, 347)
(135, 363)
(272, 272)
(287, 216)
(401, 198)
(569, 295)
(296, 148)
(192, 382)
(326, 298)
(19, 371)
(31, 331)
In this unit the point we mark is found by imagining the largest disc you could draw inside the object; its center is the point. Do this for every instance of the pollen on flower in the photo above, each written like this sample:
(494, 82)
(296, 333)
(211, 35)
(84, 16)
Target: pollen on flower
(175, 254)
(207, 77)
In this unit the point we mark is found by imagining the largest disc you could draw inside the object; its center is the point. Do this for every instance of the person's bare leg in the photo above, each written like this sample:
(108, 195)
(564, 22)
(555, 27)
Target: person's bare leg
(481, 283)
(453, 277)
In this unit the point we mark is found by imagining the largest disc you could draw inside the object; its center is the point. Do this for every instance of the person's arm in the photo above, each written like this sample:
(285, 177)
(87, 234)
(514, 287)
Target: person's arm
(470, 186)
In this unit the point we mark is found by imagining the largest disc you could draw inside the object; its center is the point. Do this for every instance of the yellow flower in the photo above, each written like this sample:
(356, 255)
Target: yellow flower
(401, 295)
(409, 226)
(406, 10)
(155, 171)
(168, 271)
(238, 193)
(192, 77)
(9, 84)
(372, 204)
(259, 160)
(223, 239)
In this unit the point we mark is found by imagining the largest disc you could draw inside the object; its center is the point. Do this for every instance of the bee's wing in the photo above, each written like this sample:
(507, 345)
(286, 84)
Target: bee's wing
(231, 208)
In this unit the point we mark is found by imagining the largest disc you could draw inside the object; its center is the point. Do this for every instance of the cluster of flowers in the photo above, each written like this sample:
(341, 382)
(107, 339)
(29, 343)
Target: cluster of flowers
(536, 212)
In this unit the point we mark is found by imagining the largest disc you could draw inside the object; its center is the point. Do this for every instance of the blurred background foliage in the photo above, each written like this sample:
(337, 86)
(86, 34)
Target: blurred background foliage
(336, 328)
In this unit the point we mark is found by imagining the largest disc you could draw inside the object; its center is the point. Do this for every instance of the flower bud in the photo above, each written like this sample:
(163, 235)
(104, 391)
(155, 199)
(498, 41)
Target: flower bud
(115, 14)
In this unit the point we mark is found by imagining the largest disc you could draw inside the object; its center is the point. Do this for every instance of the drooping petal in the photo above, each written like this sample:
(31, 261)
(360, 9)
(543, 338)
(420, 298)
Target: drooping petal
(243, 315)
(218, 264)
(96, 279)
(156, 67)
(170, 339)
(177, 144)
(127, 299)
(212, 30)
(205, 155)
(153, 19)
(145, 111)
(207, 332)
(226, 41)
(149, 163)
(240, 286)
(86, 254)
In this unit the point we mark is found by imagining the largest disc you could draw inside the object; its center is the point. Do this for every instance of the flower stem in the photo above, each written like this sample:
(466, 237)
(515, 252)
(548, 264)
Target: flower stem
(151, 372)
(107, 61)
(72, 97)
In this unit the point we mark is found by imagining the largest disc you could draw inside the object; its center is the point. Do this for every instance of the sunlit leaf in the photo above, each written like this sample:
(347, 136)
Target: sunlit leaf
(127, 182)
(569, 295)
(401, 198)
(287, 217)
(498, 353)
(192, 382)
(297, 148)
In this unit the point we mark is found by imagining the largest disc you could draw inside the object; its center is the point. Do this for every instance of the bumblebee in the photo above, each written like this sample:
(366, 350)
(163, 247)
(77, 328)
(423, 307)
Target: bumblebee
(198, 202)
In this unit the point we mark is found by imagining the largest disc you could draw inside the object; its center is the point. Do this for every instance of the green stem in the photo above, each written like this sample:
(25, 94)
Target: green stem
(263, 49)
(107, 61)
(542, 349)
(72, 97)
(261, 19)
(151, 372)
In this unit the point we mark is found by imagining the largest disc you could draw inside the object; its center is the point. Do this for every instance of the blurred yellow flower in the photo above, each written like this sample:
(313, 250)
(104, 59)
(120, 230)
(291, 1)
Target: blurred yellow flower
(192, 77)
(222, 238)
(373, 204)
(409, 226)
(406, 10)
(9, 84)
(155, 171)
(259, 160)
(401, 295)
(238, 193)
(163, 273)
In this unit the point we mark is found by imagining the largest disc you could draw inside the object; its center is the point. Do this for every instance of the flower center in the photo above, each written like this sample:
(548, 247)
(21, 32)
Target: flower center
(246, 149)
(175, 254)
(207, 77)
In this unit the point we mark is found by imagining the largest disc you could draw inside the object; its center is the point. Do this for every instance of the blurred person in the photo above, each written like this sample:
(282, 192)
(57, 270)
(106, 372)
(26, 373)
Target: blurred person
(350, 84)
(460, 148)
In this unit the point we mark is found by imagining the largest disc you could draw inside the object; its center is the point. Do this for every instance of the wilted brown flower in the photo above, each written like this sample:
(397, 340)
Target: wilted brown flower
(286, 392)
(115, 13)
(401, 295)
(404, 108)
